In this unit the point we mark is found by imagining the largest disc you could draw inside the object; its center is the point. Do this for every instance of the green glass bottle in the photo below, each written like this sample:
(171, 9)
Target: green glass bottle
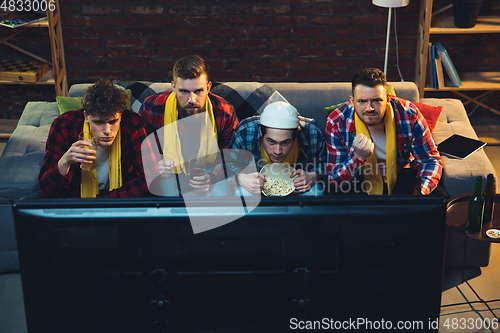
(489, 198)
(476, 208)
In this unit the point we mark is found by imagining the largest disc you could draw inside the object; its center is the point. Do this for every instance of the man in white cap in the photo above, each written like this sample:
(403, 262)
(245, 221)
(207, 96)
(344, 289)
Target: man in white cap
(281, 135)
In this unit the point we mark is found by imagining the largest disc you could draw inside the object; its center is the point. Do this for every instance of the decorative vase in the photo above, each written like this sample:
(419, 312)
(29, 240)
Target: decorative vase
(466, 12)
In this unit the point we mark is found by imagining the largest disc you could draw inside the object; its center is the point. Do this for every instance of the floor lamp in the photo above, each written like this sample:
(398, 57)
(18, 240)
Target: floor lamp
(389, 4)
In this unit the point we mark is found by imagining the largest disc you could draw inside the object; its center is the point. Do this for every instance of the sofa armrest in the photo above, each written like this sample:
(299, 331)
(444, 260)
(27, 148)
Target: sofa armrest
(459, 176)
(23, 155)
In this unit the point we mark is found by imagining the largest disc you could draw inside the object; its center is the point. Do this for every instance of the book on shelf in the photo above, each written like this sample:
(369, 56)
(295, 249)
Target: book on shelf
(439, 73)
(429, 76)
(18, 19)
(448, 65)
(434, 72)
(431, 67)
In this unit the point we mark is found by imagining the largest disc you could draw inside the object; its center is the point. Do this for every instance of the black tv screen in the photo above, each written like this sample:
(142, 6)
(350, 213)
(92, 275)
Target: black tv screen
(135, 265)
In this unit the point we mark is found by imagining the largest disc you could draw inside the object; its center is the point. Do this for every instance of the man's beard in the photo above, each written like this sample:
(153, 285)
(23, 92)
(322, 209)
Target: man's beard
(183, 112)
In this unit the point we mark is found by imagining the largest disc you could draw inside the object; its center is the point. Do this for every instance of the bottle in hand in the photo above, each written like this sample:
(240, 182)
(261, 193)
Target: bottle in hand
(489, 198)
(476, 208)
(417, 186)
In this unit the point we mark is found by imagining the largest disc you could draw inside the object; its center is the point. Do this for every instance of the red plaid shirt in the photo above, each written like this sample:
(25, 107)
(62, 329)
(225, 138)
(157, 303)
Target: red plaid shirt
(414, 143)
(153, 112)
(64, 132)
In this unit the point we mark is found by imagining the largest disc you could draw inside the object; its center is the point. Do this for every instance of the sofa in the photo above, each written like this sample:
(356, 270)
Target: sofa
(23, 155)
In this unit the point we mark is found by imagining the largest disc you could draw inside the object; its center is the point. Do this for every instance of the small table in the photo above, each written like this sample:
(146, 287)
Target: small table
(456, 218)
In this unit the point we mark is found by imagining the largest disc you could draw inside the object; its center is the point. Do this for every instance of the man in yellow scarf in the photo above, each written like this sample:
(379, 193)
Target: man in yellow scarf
(119, 133)
(380, 144)
(192, 125)
(281, 135)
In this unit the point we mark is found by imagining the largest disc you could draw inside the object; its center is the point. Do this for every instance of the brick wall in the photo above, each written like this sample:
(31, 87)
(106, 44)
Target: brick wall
(304, 40)
(254, 40)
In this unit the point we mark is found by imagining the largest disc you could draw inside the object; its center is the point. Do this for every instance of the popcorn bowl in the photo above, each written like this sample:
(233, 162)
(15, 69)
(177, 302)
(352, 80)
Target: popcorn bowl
(276, 174)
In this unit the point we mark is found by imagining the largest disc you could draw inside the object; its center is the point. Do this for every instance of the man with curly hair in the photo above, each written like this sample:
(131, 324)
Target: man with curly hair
(119, 133)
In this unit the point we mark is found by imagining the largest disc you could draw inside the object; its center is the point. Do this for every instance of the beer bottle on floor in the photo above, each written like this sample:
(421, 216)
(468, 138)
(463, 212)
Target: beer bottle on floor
(489, 198)
(476, 206)
(417, 186)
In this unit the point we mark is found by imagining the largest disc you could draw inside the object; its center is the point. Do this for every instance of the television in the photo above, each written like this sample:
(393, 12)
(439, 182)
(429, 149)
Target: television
(135, 265)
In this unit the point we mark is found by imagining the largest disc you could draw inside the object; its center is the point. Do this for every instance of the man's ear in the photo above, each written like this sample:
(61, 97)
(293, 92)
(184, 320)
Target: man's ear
(351, 99)
(172, 84)
(209, 86)
(86, 116)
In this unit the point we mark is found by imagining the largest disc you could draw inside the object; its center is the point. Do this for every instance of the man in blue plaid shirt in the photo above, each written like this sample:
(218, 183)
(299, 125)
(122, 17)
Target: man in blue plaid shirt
(380, 144)
(280, 135)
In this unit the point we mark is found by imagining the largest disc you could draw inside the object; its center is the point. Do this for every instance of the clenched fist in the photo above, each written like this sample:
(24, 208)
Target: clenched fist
(363, 147)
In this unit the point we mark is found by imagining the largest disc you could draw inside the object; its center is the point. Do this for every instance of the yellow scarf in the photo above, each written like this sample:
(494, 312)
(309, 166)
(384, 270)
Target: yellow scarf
(371, 172)
(89, 187)
(172, 143)
(290, 159)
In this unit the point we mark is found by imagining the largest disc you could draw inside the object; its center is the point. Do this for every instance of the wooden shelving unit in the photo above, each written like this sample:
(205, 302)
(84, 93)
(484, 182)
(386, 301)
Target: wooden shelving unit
(57, 74)
(444, 25)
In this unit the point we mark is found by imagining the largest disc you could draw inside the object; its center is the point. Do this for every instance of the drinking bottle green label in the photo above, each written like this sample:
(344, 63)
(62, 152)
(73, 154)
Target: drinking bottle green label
(476, 208)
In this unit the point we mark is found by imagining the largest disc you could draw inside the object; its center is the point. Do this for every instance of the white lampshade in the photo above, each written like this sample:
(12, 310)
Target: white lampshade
(391, 3)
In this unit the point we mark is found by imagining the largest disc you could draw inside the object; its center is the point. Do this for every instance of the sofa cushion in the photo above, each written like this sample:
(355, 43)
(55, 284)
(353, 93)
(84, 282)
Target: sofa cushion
(65, 104)
(248, 98)
(430, 113)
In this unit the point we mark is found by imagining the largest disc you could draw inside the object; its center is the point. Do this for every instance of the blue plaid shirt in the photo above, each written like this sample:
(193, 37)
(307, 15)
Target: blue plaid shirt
(312, 149)
(413, 139)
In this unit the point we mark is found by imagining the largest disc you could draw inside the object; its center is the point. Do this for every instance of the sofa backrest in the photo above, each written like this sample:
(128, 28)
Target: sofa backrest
(310, 99)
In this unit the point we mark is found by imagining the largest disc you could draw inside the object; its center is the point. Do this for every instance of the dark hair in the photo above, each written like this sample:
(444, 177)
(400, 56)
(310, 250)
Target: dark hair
(369, 77)
(104, 100)
(191, 67)
(264, 128)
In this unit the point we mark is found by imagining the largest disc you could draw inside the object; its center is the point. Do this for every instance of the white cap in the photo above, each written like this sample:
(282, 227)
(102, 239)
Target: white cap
(280, 115)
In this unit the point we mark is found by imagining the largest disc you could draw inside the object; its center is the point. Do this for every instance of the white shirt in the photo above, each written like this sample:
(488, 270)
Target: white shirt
(377, 134)
(102, 167)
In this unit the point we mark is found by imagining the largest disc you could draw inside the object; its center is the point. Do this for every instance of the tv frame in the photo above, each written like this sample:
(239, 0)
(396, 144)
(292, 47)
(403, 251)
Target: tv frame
(296, 280)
